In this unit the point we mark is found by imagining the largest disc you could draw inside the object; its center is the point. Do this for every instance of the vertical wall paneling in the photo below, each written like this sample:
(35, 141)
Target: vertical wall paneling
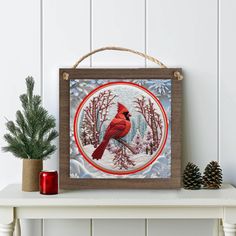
(19, 58)
(31, 227)
(119, 23)
(184, 34)
(181, 227)
(124, 227)
(227, 89)
(66, 37)
(69, 227)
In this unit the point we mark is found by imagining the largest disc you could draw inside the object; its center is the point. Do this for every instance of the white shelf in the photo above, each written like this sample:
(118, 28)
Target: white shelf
(226, 196)
(118, 204)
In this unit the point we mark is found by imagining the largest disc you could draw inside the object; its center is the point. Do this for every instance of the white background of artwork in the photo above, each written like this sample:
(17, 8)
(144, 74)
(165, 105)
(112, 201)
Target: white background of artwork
(39, 36)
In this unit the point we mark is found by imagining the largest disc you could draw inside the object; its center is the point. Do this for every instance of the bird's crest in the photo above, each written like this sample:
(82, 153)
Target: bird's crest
(121, 108)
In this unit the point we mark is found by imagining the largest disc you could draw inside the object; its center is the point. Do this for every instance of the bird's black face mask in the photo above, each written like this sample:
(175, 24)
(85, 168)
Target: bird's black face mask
(127, 115)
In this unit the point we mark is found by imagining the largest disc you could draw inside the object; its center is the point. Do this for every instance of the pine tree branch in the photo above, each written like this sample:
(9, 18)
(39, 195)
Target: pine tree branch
(48, 152)
(31, 135)
(52, 135)
(30, 88)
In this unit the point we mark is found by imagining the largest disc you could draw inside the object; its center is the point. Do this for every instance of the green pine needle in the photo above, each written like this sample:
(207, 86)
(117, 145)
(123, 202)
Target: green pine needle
(30, 136)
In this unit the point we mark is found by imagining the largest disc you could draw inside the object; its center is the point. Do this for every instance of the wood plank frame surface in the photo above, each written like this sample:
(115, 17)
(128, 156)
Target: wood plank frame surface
(176, 129)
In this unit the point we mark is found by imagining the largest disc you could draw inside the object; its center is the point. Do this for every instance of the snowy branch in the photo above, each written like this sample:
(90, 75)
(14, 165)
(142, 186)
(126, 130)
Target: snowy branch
(127, 145)
(95, 114)
(152, 118)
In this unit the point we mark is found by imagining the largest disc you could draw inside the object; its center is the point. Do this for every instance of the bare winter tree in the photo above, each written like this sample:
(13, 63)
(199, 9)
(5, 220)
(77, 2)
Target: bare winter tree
(85, 134)
(96, 113)
(152, 118)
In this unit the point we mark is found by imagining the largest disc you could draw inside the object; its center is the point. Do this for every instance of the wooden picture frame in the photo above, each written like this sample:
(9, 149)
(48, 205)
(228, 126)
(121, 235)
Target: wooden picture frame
(173, 181)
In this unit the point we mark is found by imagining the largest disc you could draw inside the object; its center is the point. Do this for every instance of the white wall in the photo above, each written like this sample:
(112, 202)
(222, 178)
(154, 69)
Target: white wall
(40, 36)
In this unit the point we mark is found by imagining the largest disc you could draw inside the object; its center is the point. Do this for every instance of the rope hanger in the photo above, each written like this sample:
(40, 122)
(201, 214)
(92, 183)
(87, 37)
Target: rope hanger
(177, 74)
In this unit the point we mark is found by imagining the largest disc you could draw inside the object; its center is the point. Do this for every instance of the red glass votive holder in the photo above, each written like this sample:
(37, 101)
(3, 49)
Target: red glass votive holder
(48, 182)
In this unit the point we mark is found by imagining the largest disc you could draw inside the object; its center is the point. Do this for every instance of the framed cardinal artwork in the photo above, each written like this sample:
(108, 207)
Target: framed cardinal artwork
(120, 128)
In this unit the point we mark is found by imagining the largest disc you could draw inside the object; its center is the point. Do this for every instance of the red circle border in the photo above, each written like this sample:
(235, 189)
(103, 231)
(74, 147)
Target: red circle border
(99, 167)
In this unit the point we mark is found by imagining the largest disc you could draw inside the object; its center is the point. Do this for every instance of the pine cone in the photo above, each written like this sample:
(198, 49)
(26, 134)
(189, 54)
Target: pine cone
(212, 178)
(192, 178)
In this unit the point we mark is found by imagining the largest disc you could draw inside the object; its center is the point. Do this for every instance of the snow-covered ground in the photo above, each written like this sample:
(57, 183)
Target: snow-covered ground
(80, 168)
(107, 159)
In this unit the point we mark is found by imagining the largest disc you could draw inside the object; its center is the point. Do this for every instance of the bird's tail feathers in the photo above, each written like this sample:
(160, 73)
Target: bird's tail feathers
(98, 152)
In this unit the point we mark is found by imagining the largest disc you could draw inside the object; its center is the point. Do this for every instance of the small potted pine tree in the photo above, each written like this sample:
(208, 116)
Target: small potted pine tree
(30, 137)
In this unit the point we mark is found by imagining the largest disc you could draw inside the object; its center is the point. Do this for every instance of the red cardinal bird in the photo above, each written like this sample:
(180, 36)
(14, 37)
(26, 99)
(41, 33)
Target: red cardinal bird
(118, 128)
